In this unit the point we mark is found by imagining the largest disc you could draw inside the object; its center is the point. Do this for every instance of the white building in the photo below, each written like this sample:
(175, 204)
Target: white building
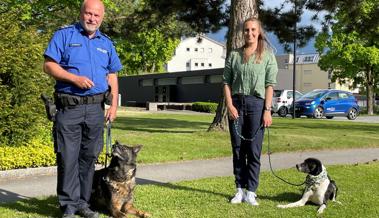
(197, 53)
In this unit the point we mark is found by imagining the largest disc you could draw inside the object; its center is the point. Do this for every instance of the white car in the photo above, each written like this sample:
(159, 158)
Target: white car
(282, 100)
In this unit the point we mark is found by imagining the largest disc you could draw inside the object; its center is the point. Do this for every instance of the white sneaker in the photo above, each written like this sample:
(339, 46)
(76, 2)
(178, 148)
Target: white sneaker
(238, 197)
(250, 198)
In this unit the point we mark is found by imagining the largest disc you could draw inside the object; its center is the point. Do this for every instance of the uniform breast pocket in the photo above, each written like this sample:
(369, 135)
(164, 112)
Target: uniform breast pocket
(76, 54)
(102, 58)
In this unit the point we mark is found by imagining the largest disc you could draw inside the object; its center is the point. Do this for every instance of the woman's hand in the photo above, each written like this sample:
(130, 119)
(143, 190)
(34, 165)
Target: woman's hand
(233, 113)
(267, 119)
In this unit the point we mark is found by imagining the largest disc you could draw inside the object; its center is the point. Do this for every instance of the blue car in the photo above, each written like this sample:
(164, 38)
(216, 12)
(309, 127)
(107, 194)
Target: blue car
(327, 102)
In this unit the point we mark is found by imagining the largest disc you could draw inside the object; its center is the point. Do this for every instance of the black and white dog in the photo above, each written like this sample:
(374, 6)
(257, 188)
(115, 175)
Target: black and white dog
(319, 188)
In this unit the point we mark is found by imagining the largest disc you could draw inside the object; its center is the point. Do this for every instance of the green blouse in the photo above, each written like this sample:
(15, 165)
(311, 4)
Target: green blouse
(250, 78)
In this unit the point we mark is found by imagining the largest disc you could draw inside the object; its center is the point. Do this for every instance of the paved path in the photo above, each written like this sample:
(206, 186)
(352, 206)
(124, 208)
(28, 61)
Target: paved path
(27, 183)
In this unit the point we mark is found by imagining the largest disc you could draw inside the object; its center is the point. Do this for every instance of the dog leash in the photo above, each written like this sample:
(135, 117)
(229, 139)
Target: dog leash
(268, 149)
(108, 142)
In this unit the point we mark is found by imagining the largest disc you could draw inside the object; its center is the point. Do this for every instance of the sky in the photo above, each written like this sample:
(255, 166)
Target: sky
(306, 18)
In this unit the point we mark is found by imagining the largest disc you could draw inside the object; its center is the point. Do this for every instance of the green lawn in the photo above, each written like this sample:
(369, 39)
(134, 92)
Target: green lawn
(175, 137)
(358, 185)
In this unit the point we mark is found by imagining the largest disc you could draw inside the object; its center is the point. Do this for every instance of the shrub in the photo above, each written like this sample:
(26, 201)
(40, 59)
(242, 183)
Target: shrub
(209, 107)
(21, 81)
(363, 110)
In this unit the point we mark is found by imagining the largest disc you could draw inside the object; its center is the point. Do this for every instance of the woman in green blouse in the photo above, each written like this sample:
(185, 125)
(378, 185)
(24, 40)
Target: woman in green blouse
(249, 76)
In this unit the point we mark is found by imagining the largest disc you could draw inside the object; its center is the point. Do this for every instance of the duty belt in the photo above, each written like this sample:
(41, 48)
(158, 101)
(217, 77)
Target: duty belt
(64, 99)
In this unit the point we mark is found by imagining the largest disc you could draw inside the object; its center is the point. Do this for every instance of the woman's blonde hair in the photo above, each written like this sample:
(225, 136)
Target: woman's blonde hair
(262, 39)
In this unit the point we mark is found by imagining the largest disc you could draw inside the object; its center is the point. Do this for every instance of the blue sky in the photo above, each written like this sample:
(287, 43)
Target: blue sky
(309, 48)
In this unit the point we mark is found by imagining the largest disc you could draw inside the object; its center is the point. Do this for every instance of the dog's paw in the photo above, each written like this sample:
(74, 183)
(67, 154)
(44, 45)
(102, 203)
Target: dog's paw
(145, 215)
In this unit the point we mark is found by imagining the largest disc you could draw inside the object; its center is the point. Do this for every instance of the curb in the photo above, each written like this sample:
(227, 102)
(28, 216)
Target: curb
(27, 172)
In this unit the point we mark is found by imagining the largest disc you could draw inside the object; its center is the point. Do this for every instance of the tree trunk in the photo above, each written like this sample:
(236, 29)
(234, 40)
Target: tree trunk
(240, 11)
(370, 91)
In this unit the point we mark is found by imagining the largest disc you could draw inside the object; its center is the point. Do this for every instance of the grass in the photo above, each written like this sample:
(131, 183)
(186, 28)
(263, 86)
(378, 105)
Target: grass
(209, 197)
(176, 137)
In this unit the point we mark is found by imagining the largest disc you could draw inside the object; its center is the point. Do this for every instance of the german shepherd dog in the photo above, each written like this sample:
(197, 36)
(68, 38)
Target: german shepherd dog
(113, 186)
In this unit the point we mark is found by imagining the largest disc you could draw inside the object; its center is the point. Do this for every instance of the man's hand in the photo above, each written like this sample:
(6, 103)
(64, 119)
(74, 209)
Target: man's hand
(110, 114)
(83, 82)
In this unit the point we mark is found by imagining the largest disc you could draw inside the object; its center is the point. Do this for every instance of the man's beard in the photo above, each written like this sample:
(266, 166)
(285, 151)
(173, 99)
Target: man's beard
(89, 28)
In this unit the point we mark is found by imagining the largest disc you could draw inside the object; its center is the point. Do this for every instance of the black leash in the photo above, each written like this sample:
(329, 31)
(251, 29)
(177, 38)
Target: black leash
(108, 143)
(268, 149)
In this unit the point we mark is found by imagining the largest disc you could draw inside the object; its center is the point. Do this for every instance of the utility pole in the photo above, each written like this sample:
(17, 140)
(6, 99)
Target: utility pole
(294, 64)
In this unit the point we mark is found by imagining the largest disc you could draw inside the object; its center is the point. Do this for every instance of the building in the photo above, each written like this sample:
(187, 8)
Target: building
(206, 85)
(197, 53)
(188, 86)
(309, 76)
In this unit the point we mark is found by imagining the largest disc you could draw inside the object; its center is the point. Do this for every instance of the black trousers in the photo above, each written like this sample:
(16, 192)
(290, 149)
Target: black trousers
(78, 140)
(246, 153)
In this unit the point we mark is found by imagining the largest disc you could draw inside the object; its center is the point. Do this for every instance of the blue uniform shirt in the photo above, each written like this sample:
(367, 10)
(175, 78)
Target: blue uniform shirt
(94, 58)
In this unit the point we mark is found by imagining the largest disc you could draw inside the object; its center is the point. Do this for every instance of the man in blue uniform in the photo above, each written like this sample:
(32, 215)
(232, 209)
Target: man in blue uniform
(84, 62)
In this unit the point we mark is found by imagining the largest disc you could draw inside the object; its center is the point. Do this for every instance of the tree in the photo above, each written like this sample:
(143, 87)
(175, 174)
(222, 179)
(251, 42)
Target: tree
(353, 52)
(146, 52)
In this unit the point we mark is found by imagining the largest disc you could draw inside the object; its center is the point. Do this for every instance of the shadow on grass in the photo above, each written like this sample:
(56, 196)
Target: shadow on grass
(179, 187)
(283, 197)
(47, 207)
(158, 125)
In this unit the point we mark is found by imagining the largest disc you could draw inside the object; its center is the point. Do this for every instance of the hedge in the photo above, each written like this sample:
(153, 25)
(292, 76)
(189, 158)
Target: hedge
(208, 107)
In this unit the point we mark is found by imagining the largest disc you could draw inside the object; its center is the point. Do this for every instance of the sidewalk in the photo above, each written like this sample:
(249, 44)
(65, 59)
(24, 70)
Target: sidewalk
(28, 183)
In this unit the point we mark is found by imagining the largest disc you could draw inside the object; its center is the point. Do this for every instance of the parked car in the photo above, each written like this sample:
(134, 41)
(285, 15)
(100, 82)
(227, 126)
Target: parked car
(282, 100)
(327, 102)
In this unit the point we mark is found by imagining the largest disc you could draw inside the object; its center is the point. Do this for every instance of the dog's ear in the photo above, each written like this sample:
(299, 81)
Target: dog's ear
(137, 148)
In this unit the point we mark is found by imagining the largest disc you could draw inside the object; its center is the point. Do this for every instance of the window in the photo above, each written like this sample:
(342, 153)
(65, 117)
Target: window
(333, 96)
(202, 64)
(215, 79)
(307, 84)
(297, 59)
(210, 65)
(187, 64)
(307, 72)
(196, 64)
(192, 80)
(147, 82)
(188, 49)
(289, 94)
(209, 50)
(166, 81)
(308, 58)
(196, 49)
(343, 95)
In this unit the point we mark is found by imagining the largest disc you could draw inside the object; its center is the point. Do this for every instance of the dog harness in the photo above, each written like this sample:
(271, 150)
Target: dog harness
(312, 181)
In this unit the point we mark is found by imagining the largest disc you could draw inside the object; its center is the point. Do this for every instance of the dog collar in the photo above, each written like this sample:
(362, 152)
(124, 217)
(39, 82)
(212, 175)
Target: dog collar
(311, 181)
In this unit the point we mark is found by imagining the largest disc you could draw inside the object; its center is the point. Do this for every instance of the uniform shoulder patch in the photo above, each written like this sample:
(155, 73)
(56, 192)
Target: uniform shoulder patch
(106, 36)
(66, 26)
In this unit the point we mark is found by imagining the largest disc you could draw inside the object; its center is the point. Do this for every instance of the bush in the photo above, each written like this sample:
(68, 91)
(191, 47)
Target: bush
(209, 107)
(21, 81)
(363, 110)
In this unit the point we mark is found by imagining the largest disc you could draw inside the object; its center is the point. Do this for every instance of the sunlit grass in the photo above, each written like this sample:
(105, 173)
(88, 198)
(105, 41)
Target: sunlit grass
(175, 137)
(209, 197)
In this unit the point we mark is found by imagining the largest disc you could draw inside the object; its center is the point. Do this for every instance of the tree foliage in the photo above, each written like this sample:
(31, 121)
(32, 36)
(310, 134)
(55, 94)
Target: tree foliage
(146, 52)
(353, 46)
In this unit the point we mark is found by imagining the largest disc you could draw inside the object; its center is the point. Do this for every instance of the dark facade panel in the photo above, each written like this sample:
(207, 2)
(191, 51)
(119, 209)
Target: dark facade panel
(167, 87)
